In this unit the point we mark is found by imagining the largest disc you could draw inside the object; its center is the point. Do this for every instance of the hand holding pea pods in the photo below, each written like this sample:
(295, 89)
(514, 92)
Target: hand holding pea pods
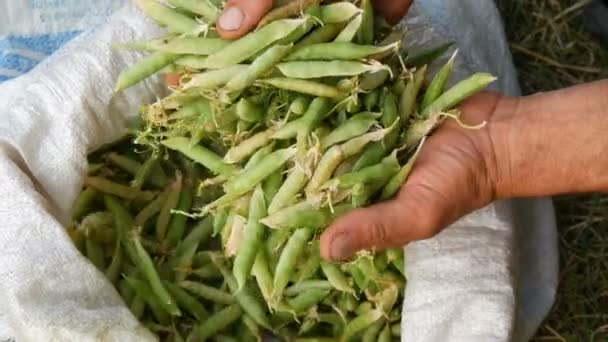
(241, 111)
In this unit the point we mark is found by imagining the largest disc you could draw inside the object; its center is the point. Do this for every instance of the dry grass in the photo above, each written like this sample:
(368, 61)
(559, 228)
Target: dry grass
(552, 50)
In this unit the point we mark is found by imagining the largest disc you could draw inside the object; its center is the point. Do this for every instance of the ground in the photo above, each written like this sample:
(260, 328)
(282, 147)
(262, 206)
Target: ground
(553, 50)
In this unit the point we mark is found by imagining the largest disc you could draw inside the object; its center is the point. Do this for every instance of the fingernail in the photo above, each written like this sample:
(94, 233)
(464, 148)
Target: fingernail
(232, 19)
(340, 247)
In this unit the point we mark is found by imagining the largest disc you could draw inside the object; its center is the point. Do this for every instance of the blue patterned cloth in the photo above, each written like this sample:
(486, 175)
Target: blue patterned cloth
(31, 30)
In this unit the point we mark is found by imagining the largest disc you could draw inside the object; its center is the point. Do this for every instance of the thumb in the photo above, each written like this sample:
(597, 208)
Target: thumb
(241, 16)
(392, 10)
(418, 213)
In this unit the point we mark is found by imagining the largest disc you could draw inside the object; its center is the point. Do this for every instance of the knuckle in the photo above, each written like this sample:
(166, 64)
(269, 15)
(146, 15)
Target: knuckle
(378, 233)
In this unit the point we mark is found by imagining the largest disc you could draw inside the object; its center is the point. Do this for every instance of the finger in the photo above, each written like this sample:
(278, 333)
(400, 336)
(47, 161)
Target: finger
(414, 215)
(392, 10)
(241, 16)
(172, 79)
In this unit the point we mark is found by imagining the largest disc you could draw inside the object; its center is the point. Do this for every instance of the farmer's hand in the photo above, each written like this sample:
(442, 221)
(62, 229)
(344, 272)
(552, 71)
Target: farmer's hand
(541, 145)
(241, 16)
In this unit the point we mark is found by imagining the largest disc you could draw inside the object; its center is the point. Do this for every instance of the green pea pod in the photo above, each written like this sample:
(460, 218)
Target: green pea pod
(263, 275)
(368, 175)
(437, 85)
(202, 46)
(408, 102)
(319, 69)
(373, 154)
(396, 329)
(335, 276)
(95, 254)
(207, 272)
(304, 87)
(337, 154)
(200, 234)
(339, 12)
(272, 184)
(303, 215)
(322, 34)
(216, 323)
(219, 221)
(370, 100)
(252, 43)
(189, 303)
(312, 264)
(427, 57)
(365, 35)
(288, 10)
(252, 239)
(178, 223)
(307, 299)
(373, 80)
(459, 92)
(259, 67)
(397, 181)
(249, 146)
(300, 104)
(338, 51)
(144, 69)
(360, 323)
(304, 286)
(204, 8)
(356, 126)
(288, 260)
(249, 111)
(172, 201)
(113, 271)
(166, 16)
(124, 225)
(108, 187)
(212, 78)
(182, 264)
(295, 182)
(202, 156)
(137, 307)
(247, 180)
(199, 107)
(99, 227)
(207, 292)
(83, 203)
(151, 209)
(385, 334)
(350, 31)
(144, 291)
(249, 302)
(371, 334)
(149, 271)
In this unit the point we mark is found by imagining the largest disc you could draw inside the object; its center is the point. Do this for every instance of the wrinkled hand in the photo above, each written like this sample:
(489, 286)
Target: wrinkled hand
(454, 175)
(241, 16)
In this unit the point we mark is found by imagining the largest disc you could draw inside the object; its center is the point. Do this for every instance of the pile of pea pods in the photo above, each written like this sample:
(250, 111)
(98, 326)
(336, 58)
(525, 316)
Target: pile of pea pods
(207, 216)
